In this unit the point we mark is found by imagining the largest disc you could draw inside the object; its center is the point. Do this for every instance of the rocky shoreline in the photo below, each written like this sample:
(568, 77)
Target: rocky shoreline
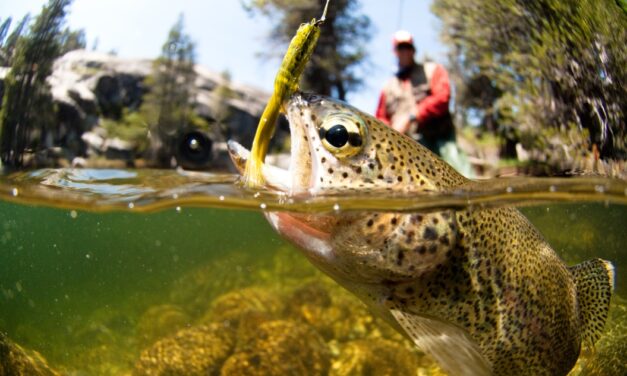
(89, 87)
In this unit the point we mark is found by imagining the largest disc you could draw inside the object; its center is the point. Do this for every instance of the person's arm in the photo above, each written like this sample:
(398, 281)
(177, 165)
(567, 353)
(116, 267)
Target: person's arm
(436, 104)
(381, 113)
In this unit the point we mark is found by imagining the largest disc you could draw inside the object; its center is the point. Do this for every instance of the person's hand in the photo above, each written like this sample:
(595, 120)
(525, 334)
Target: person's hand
(405, 124)
(401, 124)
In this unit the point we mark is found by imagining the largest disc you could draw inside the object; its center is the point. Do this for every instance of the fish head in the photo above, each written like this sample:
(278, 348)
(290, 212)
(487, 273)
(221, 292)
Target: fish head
(336, 148)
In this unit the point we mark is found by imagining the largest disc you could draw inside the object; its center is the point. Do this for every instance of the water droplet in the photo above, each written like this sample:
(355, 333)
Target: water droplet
(73, 214)
(131, 205)
(221, 198)
(87, 256)
(14, 192)
(263, 206)
(599, 188)
(552, 188)
(509, 189)
(178, 209)
(336, 207)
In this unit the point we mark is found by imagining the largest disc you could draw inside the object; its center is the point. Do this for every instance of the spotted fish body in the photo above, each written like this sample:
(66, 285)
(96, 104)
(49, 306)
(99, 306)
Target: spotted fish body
(478, 289)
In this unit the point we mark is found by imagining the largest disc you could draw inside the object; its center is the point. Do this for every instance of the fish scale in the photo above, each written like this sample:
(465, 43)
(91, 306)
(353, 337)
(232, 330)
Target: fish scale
(478, 289)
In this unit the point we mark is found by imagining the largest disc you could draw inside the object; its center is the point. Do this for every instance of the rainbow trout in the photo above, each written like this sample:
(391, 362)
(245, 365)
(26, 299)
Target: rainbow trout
(478, 289)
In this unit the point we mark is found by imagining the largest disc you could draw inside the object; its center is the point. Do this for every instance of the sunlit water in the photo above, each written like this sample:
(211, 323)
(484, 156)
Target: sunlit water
(100, 269)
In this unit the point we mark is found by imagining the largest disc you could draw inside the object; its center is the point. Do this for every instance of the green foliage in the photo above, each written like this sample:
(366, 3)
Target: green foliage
(73, 40)
(132, 127)
(27, 110)
(9, 41)
(168, 108)
(341, 51)
(540, 68)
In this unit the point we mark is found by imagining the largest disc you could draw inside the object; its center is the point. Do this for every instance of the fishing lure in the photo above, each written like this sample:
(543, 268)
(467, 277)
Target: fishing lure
(285, 84)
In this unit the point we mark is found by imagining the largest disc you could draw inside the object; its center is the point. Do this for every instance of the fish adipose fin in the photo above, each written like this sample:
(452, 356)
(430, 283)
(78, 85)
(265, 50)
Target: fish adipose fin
(450, 346)
(594, 280)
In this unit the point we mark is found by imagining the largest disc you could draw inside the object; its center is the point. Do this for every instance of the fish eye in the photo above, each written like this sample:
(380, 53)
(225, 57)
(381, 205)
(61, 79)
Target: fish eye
(342, 134)
(337, 135)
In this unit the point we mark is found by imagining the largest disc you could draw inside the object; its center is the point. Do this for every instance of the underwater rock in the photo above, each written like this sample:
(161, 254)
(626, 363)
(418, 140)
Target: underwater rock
(280, 347)
(235, 305)
(199, 350)
(374, 356)
(14, 360)
(196, 289)
(160, 321)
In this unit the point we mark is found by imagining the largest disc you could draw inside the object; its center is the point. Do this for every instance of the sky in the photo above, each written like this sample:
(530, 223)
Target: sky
(228, 38)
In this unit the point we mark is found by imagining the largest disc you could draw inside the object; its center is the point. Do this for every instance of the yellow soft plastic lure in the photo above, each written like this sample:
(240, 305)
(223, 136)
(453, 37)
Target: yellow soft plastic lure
(285, 84)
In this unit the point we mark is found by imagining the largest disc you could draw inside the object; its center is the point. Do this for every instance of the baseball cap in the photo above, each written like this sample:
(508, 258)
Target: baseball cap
(402, 37)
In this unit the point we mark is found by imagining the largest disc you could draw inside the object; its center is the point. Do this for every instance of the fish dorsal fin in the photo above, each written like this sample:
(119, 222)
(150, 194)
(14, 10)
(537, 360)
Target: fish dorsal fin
(450, 346)
(594, 280)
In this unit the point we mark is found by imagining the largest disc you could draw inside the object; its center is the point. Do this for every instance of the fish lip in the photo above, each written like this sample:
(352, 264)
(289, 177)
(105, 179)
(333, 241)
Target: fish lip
(297, 178)
(275, 177)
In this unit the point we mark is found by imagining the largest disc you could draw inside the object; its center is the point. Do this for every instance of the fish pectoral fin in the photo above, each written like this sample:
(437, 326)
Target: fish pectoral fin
(449, 345)
(594, 280)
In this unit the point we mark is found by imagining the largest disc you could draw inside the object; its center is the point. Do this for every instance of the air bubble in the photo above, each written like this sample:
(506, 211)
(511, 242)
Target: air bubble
(14, 192)
(73, 214)
(221, 198)
(336, 207)
(599, 189)
(178, 209)
(263, 206)
(175, 196)
(509, 189)
(131, 205)
(552, 188)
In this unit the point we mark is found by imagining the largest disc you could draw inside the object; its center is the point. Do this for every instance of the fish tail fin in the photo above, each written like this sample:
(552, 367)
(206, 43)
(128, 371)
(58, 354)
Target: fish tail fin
(594, 280)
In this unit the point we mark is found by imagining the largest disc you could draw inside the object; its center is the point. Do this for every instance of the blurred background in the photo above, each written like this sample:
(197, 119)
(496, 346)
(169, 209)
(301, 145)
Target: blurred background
(537, 87)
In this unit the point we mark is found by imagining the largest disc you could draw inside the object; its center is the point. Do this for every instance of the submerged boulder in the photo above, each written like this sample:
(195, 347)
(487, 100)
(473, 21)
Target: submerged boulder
(236, 305)
(196, 351)
(160, 321)
(15, 360)
(374, 356)
(280, 347)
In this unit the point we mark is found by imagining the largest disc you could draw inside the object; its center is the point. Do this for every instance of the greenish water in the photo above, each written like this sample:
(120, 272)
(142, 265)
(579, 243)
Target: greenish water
(98, 267)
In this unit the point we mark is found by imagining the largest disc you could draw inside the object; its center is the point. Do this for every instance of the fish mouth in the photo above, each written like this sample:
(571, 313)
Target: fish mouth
(297, 178)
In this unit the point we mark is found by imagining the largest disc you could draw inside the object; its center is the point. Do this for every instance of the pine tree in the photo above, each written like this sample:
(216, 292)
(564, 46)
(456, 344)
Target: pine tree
(534, 70)
(7, 46)
(169, 105)
(27, 107)
(341, 50)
